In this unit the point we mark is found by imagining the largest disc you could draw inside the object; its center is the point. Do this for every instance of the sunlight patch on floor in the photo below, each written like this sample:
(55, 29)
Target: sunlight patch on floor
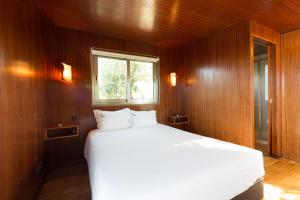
(276, 193)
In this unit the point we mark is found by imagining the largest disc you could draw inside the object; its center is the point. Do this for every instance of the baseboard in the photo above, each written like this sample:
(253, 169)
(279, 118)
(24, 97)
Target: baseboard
(277, 156)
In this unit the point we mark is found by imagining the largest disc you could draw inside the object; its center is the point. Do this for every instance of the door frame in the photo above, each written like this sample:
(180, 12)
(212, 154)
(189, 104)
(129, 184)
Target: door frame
(274, 139)
(258, 31)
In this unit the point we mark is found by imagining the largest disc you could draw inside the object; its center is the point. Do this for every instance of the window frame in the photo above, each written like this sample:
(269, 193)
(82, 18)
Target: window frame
(96, 53)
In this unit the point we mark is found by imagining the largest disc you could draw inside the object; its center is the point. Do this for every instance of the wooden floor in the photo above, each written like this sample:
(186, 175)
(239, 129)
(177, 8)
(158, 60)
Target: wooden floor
(69, 183)
(282, 182)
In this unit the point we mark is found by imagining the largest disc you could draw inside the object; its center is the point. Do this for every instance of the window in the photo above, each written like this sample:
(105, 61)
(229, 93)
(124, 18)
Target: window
(124, 78)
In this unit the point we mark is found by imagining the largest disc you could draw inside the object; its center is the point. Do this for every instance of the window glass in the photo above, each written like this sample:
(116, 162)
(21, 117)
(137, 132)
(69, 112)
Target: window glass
(141, 80)
(112, 78)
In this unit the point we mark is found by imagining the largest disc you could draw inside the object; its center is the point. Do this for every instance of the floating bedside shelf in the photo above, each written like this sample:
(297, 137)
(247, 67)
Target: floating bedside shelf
(62, 131)
(178, 119)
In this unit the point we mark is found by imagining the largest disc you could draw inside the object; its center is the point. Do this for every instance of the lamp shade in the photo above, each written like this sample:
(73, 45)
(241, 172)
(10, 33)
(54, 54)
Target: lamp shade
(173, 79)
(67, 73)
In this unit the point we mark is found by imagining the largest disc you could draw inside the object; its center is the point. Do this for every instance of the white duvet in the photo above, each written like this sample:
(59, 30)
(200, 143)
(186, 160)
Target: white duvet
(163, 163)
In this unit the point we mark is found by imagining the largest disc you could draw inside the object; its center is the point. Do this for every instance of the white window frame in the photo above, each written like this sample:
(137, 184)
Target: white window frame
(95, 53)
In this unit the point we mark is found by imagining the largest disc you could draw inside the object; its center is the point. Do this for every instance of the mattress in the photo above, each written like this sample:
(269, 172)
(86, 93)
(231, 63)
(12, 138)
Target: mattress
(164, 163)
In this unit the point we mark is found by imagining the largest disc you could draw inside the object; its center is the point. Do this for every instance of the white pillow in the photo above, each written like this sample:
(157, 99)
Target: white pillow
(143, 118)
(112, 120)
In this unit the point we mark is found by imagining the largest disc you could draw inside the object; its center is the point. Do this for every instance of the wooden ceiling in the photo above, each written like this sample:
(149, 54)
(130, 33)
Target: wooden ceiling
(169, 22)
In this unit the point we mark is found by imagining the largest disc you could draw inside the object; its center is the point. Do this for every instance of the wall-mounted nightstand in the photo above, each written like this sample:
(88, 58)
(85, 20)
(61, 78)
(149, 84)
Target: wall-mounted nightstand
(63, 145)
(178, 120)
(61, 131)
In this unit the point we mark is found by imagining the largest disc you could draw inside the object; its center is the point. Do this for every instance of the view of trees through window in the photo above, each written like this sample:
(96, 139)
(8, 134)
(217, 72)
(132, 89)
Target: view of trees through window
(141, 80)
(112, 79)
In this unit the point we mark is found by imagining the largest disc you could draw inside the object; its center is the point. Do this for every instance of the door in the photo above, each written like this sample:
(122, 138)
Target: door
(261, 97)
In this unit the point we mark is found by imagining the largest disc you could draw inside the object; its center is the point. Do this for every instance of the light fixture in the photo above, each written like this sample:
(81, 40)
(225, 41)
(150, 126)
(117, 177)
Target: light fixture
(173, 79)
(67, 73)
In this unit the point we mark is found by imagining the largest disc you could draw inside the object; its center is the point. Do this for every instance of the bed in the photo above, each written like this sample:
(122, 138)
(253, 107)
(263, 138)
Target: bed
(163, 163)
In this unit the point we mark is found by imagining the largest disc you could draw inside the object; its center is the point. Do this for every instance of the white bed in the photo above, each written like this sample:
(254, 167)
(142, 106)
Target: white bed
(164, 163)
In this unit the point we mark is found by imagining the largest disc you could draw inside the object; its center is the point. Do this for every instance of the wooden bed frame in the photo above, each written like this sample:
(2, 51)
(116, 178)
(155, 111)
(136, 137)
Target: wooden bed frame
(255, 192)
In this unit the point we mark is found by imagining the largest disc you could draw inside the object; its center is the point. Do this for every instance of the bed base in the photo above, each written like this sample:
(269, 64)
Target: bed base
(255, 192)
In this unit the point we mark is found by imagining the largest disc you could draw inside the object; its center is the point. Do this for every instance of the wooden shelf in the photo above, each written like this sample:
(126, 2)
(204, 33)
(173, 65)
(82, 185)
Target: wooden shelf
(61, 131)
(178, 119)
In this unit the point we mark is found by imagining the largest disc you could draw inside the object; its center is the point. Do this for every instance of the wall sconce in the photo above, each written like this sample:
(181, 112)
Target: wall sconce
(67, 73)
(173, 79)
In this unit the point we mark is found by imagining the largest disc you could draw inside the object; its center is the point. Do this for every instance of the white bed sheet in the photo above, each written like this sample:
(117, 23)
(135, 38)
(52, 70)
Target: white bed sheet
(163, 163)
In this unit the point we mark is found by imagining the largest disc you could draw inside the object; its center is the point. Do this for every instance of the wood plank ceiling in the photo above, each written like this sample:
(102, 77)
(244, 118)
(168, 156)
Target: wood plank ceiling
(169, 22)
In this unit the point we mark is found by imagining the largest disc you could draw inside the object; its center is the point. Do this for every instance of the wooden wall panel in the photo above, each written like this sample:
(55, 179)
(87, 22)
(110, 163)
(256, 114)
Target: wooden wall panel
(218, 85)
(219, 93)
(75, 99)
(290, 63)
(22, 99)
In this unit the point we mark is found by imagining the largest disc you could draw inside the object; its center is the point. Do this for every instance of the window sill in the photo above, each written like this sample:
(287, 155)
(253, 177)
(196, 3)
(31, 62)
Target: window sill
(97, 104)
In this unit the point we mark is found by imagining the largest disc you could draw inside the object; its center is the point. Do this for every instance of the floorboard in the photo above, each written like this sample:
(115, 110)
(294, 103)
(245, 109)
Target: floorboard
(282, 180)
